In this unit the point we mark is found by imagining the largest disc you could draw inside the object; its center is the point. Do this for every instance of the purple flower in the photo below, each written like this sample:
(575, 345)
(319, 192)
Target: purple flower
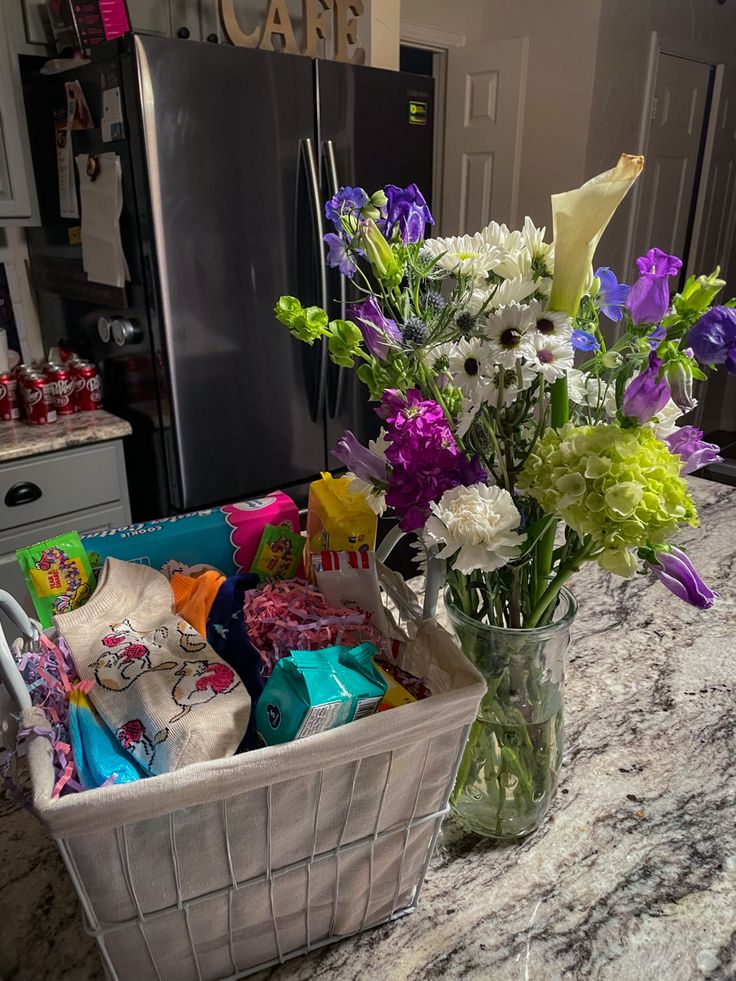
(687, 443)
(407, 210)
(675, 571)
(655, 336)
(424, 456)
(583, 341)
(338, 255)
(645, 395)
(379, 333)
(713, 338)
(347, 203)
(649, 298)
(611, 294)
(358, 458)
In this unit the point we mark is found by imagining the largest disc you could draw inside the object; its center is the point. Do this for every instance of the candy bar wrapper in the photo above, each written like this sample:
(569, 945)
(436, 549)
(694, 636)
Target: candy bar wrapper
(350, 579)
(224, 538)
(58, 575)
(279, 554)
(312, 691)
(337, 519)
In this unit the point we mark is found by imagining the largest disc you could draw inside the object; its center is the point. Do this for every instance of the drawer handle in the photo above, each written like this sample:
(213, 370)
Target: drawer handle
(22, 493)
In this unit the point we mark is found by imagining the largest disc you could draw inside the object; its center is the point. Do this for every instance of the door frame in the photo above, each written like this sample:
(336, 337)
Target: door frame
(704, 54)
(438, 41)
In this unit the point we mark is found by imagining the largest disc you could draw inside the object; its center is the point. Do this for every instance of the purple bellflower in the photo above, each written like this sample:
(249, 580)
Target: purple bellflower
(713, 338)
(675, 571)
(656, 336)
(379, 332)
(584, 341)
(649, 298)
(611, 294)
(687, 443)
(646, 395)
(360, 460)
(338, 255)
(406, 210)
(347, 203)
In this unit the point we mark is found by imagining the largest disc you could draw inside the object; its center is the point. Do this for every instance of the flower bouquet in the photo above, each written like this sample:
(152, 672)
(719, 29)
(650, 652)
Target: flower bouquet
(520, 439)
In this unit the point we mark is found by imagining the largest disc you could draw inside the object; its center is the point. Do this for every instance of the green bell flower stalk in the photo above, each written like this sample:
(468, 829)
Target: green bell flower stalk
(700, 291)
(379, 253)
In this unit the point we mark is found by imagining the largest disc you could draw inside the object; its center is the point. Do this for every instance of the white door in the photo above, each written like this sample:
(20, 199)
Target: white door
(483, 118)
(676, 133)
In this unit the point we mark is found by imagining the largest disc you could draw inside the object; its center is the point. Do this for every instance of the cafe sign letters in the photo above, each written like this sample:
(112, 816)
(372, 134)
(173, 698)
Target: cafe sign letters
(333, 21)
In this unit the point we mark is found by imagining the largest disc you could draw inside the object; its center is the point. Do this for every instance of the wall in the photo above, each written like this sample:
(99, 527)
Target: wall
(462, 16)
(561, 69)
(622, 65)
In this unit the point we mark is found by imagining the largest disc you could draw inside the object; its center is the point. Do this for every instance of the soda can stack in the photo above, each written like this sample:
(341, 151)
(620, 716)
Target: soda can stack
(87, 387)
(62, 382)
(9, 405)
(38, 398)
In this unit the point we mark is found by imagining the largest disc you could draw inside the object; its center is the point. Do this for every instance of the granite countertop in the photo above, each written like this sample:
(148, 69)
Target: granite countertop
(633, 874)
(17, 439)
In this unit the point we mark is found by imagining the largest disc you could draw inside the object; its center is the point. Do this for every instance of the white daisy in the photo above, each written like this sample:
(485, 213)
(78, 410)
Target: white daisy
(477, 525)
(540, 252)
(516, 290)
(593, 394)
(667, 420)
(552, 356)
(469, 367)
(507, 330)
(495, 234)
(469, 411)
(551, 323)
(515, 381)
(464, 255)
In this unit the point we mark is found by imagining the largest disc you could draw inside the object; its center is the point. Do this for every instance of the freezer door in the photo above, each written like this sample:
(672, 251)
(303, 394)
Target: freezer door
(376, 128)
(229, 134)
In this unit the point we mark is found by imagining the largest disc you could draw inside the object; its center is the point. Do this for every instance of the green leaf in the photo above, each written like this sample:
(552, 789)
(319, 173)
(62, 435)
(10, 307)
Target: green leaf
(286, 309)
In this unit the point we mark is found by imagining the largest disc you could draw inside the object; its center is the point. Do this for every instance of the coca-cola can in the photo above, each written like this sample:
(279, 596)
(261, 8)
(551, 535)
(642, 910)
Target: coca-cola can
(62, 382)
(87, 387)
(38, 399)
(9, 408)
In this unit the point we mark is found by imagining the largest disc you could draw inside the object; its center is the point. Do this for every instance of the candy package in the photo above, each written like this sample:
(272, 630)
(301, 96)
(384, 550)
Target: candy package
(312, 691)
(349, 579)
(58, 575)
(337, 519)
(279, 554)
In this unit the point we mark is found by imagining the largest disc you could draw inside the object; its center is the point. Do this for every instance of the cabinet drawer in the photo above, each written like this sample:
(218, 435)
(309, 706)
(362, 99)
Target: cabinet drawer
(70, 481)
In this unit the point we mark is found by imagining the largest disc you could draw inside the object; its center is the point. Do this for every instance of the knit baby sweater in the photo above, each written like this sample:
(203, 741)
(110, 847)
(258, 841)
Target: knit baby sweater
(159, 686)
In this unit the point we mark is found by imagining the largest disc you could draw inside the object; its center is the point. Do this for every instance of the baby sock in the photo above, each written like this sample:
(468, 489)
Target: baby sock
(159, 686)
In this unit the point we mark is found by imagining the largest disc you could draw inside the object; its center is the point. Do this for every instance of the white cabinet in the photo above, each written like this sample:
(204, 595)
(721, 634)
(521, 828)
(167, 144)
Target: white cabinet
(18, 204)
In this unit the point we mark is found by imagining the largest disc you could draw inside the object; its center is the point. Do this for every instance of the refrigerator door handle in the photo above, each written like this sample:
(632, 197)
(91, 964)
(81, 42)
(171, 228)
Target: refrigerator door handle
(334, 185)
(310, 160)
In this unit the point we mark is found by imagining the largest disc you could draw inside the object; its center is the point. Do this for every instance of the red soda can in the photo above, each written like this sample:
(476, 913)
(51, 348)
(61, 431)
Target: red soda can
(62, 382)
(87, 387)
(38, 399)
(9, 408)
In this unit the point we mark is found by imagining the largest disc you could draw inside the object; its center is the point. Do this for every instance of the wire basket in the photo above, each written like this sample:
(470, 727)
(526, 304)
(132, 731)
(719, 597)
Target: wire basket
(226, 867)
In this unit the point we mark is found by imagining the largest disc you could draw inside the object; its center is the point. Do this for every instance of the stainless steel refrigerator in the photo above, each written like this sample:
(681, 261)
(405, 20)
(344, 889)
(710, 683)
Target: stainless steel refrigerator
(227, 156)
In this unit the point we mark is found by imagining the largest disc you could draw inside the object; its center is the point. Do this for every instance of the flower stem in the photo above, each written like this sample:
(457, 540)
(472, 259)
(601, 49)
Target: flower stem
(563, 574)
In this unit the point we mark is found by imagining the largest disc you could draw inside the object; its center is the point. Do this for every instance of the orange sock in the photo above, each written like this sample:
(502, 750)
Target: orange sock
(194, 596)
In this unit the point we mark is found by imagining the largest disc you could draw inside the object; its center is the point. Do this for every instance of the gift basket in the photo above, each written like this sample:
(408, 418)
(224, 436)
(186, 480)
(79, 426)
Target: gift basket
(227, 865)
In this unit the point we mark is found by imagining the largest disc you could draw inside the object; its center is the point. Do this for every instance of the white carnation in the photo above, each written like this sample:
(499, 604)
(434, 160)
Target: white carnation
(478, 526)
(464, 255)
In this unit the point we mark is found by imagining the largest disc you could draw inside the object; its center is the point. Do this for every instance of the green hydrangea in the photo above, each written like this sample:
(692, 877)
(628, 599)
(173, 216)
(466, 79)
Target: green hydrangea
(622, 487)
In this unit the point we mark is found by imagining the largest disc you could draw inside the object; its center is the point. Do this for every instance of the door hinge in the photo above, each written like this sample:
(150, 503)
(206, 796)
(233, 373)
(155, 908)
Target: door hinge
(653, 113)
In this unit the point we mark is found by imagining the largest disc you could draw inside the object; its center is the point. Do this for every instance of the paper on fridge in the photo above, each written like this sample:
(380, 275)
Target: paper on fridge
(68, 207)
(101, 195)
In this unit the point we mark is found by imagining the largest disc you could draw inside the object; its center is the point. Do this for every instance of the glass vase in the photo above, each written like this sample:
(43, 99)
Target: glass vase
(508, 774)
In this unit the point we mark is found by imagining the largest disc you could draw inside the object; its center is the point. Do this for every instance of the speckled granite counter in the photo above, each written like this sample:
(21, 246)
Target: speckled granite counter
(18, 439)
(632, 876)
